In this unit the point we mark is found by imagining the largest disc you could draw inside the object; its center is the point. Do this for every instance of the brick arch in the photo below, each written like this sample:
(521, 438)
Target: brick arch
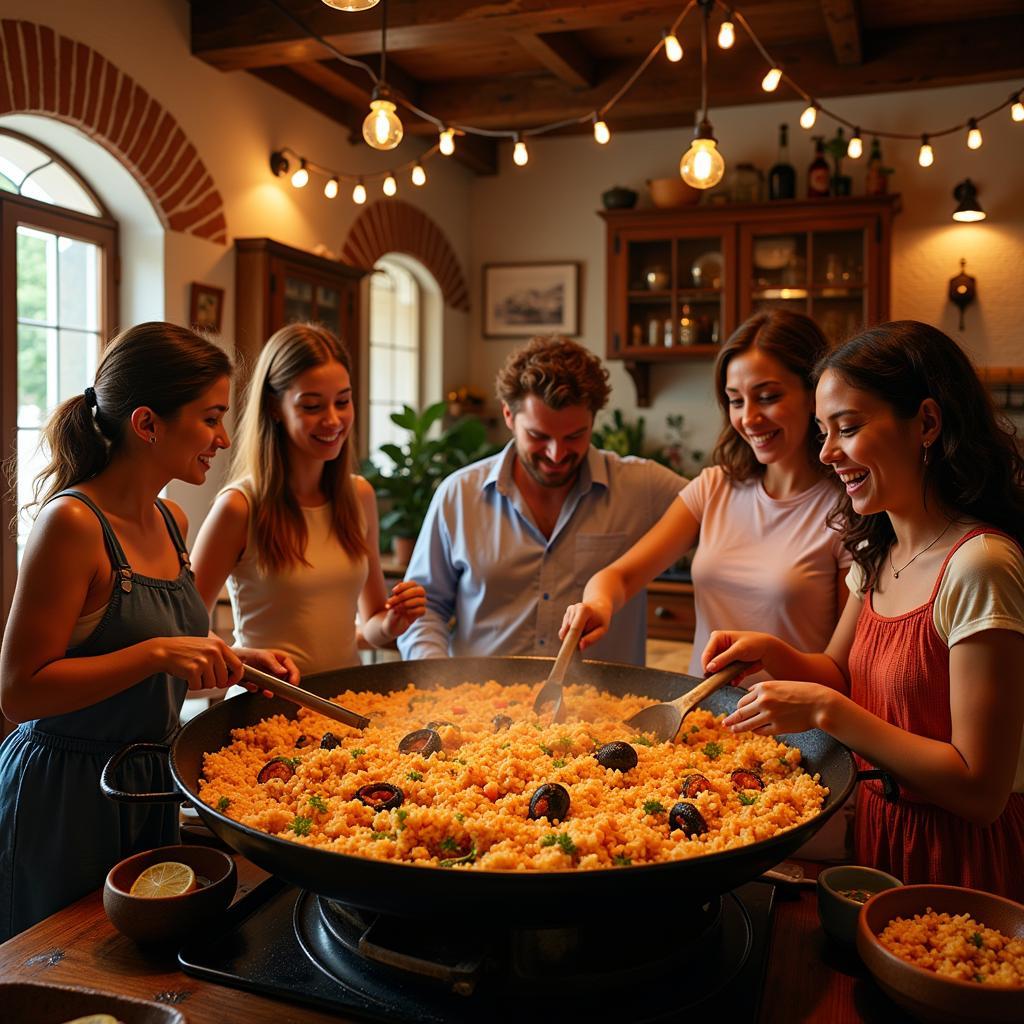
(57, 77)
(391, 225)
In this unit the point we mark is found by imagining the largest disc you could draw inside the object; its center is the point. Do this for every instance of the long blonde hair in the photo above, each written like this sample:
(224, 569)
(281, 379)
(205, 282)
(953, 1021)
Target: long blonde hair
(261, 453)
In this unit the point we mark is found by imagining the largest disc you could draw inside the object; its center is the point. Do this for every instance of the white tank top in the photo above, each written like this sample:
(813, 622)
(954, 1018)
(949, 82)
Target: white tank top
(307, 611)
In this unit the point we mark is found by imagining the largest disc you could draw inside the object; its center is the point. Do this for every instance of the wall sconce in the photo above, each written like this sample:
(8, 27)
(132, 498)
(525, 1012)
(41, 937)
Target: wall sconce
(966, 194)
(963, 290)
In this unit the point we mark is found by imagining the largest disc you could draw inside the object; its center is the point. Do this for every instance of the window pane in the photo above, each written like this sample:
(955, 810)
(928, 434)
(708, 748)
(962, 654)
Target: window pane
(380, 373)
(76, 362)
(31, 462)
(78, 283)
(33, 346)
(48, 181)
(37, 275)
(406, 374)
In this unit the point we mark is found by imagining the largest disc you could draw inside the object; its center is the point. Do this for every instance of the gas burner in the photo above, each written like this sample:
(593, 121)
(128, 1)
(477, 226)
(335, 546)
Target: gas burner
(299, 947)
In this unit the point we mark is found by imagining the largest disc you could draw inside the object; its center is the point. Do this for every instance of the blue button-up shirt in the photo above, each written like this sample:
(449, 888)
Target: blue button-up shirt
(482, 559)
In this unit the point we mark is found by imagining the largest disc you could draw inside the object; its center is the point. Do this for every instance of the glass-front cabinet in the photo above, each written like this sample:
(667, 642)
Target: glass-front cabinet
(680, 281)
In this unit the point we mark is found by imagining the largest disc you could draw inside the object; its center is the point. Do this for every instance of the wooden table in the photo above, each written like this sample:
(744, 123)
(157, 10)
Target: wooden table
(808, 979)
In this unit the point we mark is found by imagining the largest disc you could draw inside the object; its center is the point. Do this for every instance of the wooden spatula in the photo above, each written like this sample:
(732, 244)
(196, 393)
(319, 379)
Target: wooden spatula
(308, 700)
(551, 692)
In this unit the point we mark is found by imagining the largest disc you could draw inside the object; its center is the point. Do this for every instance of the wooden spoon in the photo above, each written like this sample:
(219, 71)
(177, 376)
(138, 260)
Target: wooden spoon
(551, 692)
(664, 720)
(308, 700)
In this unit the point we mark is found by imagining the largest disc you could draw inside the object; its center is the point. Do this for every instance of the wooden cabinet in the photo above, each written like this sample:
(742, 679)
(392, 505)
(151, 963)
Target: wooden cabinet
(277, 285)
(679, 282)
(670, 611)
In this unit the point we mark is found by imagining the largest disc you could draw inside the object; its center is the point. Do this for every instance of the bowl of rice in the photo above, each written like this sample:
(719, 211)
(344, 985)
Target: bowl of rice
(946, 953)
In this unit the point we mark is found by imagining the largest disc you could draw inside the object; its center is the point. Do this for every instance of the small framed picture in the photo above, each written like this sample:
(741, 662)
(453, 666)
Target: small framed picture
(206, 309)
(522, 299)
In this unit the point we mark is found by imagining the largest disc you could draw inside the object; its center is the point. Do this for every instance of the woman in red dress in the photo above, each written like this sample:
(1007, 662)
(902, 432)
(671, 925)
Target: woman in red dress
(924, 675)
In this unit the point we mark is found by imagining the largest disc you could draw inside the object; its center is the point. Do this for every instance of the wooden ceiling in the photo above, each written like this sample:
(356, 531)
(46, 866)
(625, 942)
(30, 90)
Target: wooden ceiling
(511, 64)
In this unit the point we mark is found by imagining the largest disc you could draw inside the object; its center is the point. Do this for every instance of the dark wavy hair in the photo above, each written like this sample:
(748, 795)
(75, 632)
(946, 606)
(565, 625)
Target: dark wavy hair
(976, 467)
(797, 343)
(558, 371)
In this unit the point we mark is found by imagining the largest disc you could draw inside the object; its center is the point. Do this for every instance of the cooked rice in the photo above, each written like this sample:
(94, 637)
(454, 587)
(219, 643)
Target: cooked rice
(472, 797)
(956, 946)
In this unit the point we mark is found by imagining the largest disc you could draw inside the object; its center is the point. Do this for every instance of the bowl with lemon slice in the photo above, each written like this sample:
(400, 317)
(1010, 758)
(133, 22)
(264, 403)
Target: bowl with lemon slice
(166, 894)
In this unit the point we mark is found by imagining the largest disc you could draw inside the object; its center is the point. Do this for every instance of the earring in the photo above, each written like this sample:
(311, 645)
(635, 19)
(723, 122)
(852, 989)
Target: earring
(926, 446)
(152, 439)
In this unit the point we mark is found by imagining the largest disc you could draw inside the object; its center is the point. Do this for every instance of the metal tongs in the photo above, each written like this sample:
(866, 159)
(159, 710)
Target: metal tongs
(299, 696)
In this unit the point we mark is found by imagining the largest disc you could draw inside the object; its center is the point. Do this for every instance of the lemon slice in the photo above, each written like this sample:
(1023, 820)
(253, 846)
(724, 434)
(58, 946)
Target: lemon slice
(168, 878)
(95, 1018)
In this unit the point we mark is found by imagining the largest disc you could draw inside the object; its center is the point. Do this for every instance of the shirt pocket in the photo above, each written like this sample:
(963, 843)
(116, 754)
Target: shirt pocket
(596, 551)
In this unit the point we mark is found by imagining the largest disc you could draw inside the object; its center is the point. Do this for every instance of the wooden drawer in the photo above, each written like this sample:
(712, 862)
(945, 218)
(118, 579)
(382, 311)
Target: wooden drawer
(670, 611)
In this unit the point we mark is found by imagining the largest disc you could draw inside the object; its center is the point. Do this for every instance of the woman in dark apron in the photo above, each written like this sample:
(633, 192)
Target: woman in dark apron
(107, 632)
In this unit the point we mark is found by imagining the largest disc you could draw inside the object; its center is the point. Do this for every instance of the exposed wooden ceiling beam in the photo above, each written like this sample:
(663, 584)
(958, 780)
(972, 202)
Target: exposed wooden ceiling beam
(353, 84)
(562, 54)
(843, 23)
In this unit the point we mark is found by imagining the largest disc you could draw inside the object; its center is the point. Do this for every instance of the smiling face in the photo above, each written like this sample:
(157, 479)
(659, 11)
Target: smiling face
(551, 444)
(316, 411)
(193, 436)
(876, 454)
(769, 407)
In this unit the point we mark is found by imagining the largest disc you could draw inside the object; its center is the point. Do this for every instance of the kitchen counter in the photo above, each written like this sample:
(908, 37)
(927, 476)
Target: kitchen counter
(808, 978)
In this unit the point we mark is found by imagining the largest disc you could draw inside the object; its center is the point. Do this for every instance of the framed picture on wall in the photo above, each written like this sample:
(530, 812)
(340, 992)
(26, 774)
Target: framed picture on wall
(521, 299)
(206, 308)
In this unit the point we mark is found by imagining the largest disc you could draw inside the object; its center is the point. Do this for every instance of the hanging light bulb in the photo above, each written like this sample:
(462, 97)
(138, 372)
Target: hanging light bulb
(673, 48)
(973, 135)
(331, 188)
(1017, 110)
(390, 186)
(446, 142)
(301, 176)
(727, 32)
(702, 165)
(856, 147)
(809, 116)
(925, 156)
(770, 82)
(382, 128)
(602, 134)
(351, 5)
(419, 176)
(359, 193)
(520, 156)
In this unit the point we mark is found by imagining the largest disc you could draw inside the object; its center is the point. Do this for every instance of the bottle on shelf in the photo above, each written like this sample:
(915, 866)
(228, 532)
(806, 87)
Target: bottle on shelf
(687, 327)
(876, 183)
(818, 173)
(782, 177)
(669, 340)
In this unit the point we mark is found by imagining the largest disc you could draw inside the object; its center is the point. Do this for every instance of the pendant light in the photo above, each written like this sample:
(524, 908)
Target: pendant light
(702, 165)
(382, 128)
(969, 209)
(351, 5)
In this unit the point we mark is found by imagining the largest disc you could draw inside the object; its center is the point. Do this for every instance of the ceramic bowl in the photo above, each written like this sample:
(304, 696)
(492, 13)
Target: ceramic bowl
(667, 193)
(619, 198)
(173, 918)
(923, 993)
(839, 913)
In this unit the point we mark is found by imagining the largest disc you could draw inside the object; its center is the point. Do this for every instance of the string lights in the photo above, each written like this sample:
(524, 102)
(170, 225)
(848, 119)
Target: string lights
(702, 165)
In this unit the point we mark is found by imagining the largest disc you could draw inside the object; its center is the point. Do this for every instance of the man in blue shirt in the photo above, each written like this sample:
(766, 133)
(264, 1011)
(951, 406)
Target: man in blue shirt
(509, 542)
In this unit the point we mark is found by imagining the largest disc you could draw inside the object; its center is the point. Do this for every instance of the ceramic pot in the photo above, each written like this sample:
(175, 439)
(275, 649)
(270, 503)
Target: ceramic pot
(619, 198)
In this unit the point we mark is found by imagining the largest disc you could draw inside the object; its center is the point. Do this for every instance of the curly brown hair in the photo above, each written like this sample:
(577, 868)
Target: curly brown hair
(977, 466)
(558, 371)
(797, 343)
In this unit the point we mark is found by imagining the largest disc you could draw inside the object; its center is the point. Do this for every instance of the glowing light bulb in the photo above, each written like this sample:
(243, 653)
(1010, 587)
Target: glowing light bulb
(727, 33)
(770, 82)
(359, 194)
(331, 188)
(702, 165)
(856, 147)
(446, 142)
(602, 135)
(673, 48)
(1017, 110)
(925, 156)
(973, 135)
(390, 186)
(351, 5)
(809, 116)
(382, 129)
(520, 156)
(419, 176)
(300, 179)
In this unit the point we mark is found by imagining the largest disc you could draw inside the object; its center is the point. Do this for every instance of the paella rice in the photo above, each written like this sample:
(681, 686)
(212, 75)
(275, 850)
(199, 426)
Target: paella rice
(469, 803)
(956, 946)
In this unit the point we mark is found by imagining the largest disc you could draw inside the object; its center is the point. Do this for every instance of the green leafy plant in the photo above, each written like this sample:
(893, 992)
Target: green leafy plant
(420, 464)
(620, 436)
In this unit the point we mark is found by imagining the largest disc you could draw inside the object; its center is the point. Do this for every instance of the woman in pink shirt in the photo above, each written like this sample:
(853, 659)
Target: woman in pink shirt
(765, 556)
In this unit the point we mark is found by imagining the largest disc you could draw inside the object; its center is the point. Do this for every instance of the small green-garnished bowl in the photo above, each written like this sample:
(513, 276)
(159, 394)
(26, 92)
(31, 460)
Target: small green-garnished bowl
(842, 891)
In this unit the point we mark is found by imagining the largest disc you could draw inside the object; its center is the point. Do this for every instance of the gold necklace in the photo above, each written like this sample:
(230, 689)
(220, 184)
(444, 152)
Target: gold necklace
(896, 572)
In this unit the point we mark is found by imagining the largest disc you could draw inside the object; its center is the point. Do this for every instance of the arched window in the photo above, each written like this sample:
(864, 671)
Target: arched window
(58, 261)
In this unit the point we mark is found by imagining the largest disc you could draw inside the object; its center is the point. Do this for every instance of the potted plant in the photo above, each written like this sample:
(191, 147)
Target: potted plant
(417, 467)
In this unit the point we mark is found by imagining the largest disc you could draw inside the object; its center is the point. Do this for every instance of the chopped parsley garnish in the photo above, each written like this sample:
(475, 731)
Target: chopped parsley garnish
(694, 728)
(564, 742)
(621, 860)
(223, 803)
(563, 840)
(452, 861)
(977, 939)
(546, 749)
(558, 763)
(317, 803)
(301, 826)
(461, 760)
(293, 761)
(747, 800)
(414, 776)
(358, 752)
(653, 807)
(449, 845)
(376, 836)
(401, 814)
(783, 762)
(643, 741)
(712, 751)
(460, 817)
(505, 746)
(979, 978)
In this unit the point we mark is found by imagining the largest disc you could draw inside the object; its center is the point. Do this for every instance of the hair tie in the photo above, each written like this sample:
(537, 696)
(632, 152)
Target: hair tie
(90, 398)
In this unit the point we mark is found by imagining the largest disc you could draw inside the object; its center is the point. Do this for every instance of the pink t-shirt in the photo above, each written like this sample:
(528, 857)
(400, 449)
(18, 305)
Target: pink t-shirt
(765, 564)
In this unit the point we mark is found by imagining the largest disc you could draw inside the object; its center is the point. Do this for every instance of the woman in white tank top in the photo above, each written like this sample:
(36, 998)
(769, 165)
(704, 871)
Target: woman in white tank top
(295, 534)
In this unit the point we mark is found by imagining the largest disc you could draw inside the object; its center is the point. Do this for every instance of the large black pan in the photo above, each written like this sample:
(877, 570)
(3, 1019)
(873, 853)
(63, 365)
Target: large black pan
(526, 898)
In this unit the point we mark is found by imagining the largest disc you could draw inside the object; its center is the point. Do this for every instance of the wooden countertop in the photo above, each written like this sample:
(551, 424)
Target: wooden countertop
(808, 978)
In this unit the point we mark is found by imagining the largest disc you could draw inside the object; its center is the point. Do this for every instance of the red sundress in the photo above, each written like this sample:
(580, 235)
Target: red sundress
(899, 671)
